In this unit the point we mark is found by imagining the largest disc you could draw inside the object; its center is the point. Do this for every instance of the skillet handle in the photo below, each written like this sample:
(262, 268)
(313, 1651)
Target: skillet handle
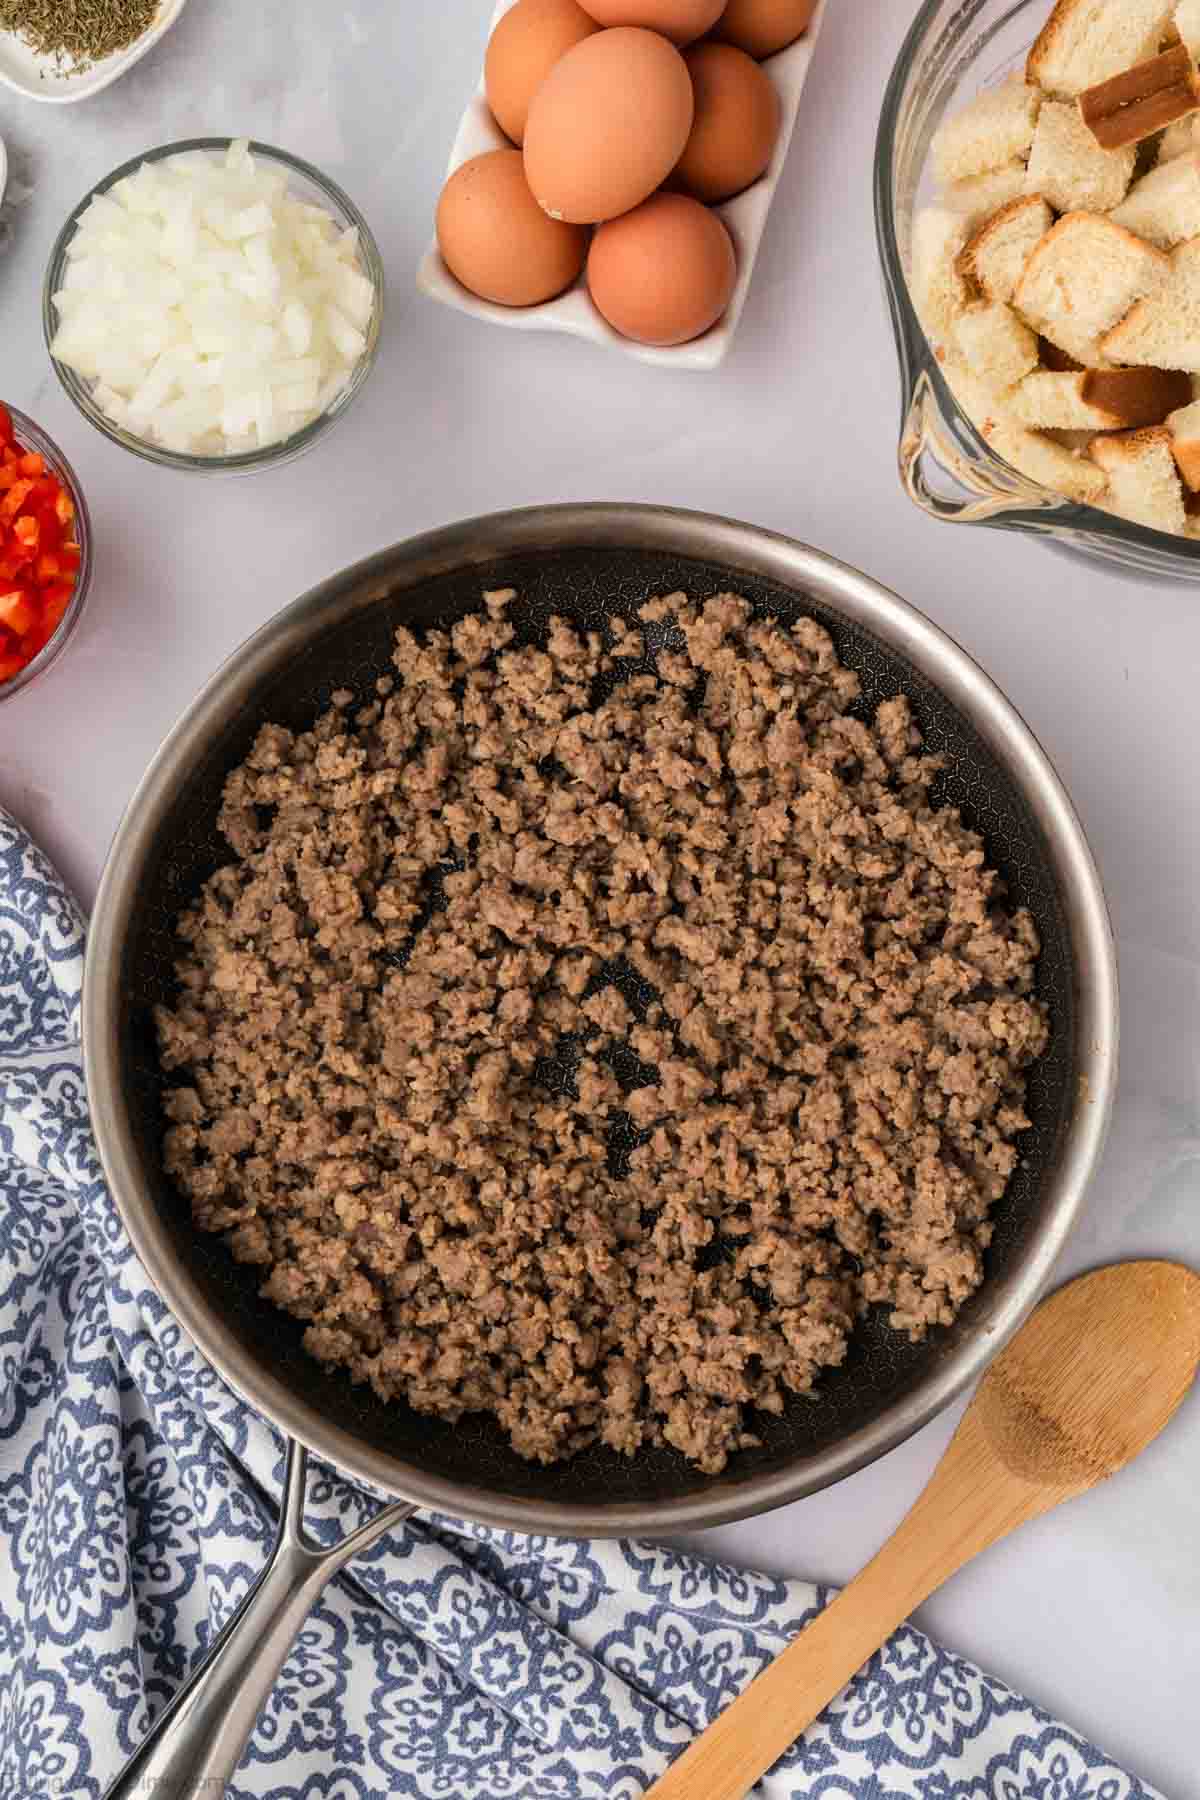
(196, 1743)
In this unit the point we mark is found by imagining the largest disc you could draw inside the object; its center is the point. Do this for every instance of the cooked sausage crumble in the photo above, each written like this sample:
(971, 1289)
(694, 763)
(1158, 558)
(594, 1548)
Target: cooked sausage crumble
(596, 1065)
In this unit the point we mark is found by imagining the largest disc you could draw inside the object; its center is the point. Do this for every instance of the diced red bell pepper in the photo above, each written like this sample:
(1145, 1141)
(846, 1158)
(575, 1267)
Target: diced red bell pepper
(15, 499)
(16, 613)
(39, 558)
(53, 611)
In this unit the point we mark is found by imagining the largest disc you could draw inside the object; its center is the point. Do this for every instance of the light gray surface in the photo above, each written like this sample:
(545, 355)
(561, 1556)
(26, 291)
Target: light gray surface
(1096, 1612)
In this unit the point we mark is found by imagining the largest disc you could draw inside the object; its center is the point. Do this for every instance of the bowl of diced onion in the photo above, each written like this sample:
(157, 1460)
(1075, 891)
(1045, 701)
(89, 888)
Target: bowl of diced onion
(214, 305)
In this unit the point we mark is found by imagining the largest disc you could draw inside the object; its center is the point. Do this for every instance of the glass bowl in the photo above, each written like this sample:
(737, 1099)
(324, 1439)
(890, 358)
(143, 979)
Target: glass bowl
(31, 437)
(307, 184)
(953, 49)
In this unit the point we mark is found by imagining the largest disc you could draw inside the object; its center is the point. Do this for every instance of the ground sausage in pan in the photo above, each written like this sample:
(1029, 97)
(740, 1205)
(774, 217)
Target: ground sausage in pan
(482, 932)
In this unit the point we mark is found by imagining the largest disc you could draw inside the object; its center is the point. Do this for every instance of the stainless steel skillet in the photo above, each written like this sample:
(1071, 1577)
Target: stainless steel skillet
(584, 562)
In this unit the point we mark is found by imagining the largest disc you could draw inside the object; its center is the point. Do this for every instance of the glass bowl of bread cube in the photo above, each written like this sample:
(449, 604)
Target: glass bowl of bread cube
(1037, 197)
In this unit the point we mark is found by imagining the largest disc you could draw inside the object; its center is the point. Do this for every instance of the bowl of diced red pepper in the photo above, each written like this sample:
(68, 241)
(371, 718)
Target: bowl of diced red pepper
(45, 564)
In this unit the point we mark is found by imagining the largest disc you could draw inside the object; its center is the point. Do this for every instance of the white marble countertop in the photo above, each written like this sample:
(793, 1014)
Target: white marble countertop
(1095, 1612)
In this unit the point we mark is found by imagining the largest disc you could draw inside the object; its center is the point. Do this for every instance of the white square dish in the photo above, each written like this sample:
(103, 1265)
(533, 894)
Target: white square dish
(38, 78)
(745, 216)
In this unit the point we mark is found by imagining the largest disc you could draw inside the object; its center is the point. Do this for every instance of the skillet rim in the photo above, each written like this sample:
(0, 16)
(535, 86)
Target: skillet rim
(741, 548)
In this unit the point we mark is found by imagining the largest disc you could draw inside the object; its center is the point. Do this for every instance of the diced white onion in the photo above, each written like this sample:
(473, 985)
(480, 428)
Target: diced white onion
(214, 312)
(345, 337)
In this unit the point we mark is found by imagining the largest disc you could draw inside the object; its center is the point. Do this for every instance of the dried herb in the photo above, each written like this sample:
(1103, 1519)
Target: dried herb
(77, 32)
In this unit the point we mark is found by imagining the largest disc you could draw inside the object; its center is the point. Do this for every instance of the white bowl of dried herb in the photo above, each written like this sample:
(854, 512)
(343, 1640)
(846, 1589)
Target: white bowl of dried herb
(59, 53)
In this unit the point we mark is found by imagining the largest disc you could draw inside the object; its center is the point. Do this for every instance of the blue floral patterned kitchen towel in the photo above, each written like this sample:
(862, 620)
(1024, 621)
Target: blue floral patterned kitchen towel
(463, 1664)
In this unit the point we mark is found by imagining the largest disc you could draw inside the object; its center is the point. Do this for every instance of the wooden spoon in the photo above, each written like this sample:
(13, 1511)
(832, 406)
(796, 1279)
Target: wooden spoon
(1086, 1384)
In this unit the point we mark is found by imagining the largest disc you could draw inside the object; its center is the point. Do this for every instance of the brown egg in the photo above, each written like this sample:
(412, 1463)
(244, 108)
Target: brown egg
(680, 20)
(607, 125)
(663, 273)
(524, 47)
(496, 239)
(735, 127)
(761, 27)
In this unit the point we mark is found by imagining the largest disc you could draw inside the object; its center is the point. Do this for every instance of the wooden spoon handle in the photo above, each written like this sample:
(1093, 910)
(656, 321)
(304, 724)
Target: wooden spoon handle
(753, 1732)
(961, 1512)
